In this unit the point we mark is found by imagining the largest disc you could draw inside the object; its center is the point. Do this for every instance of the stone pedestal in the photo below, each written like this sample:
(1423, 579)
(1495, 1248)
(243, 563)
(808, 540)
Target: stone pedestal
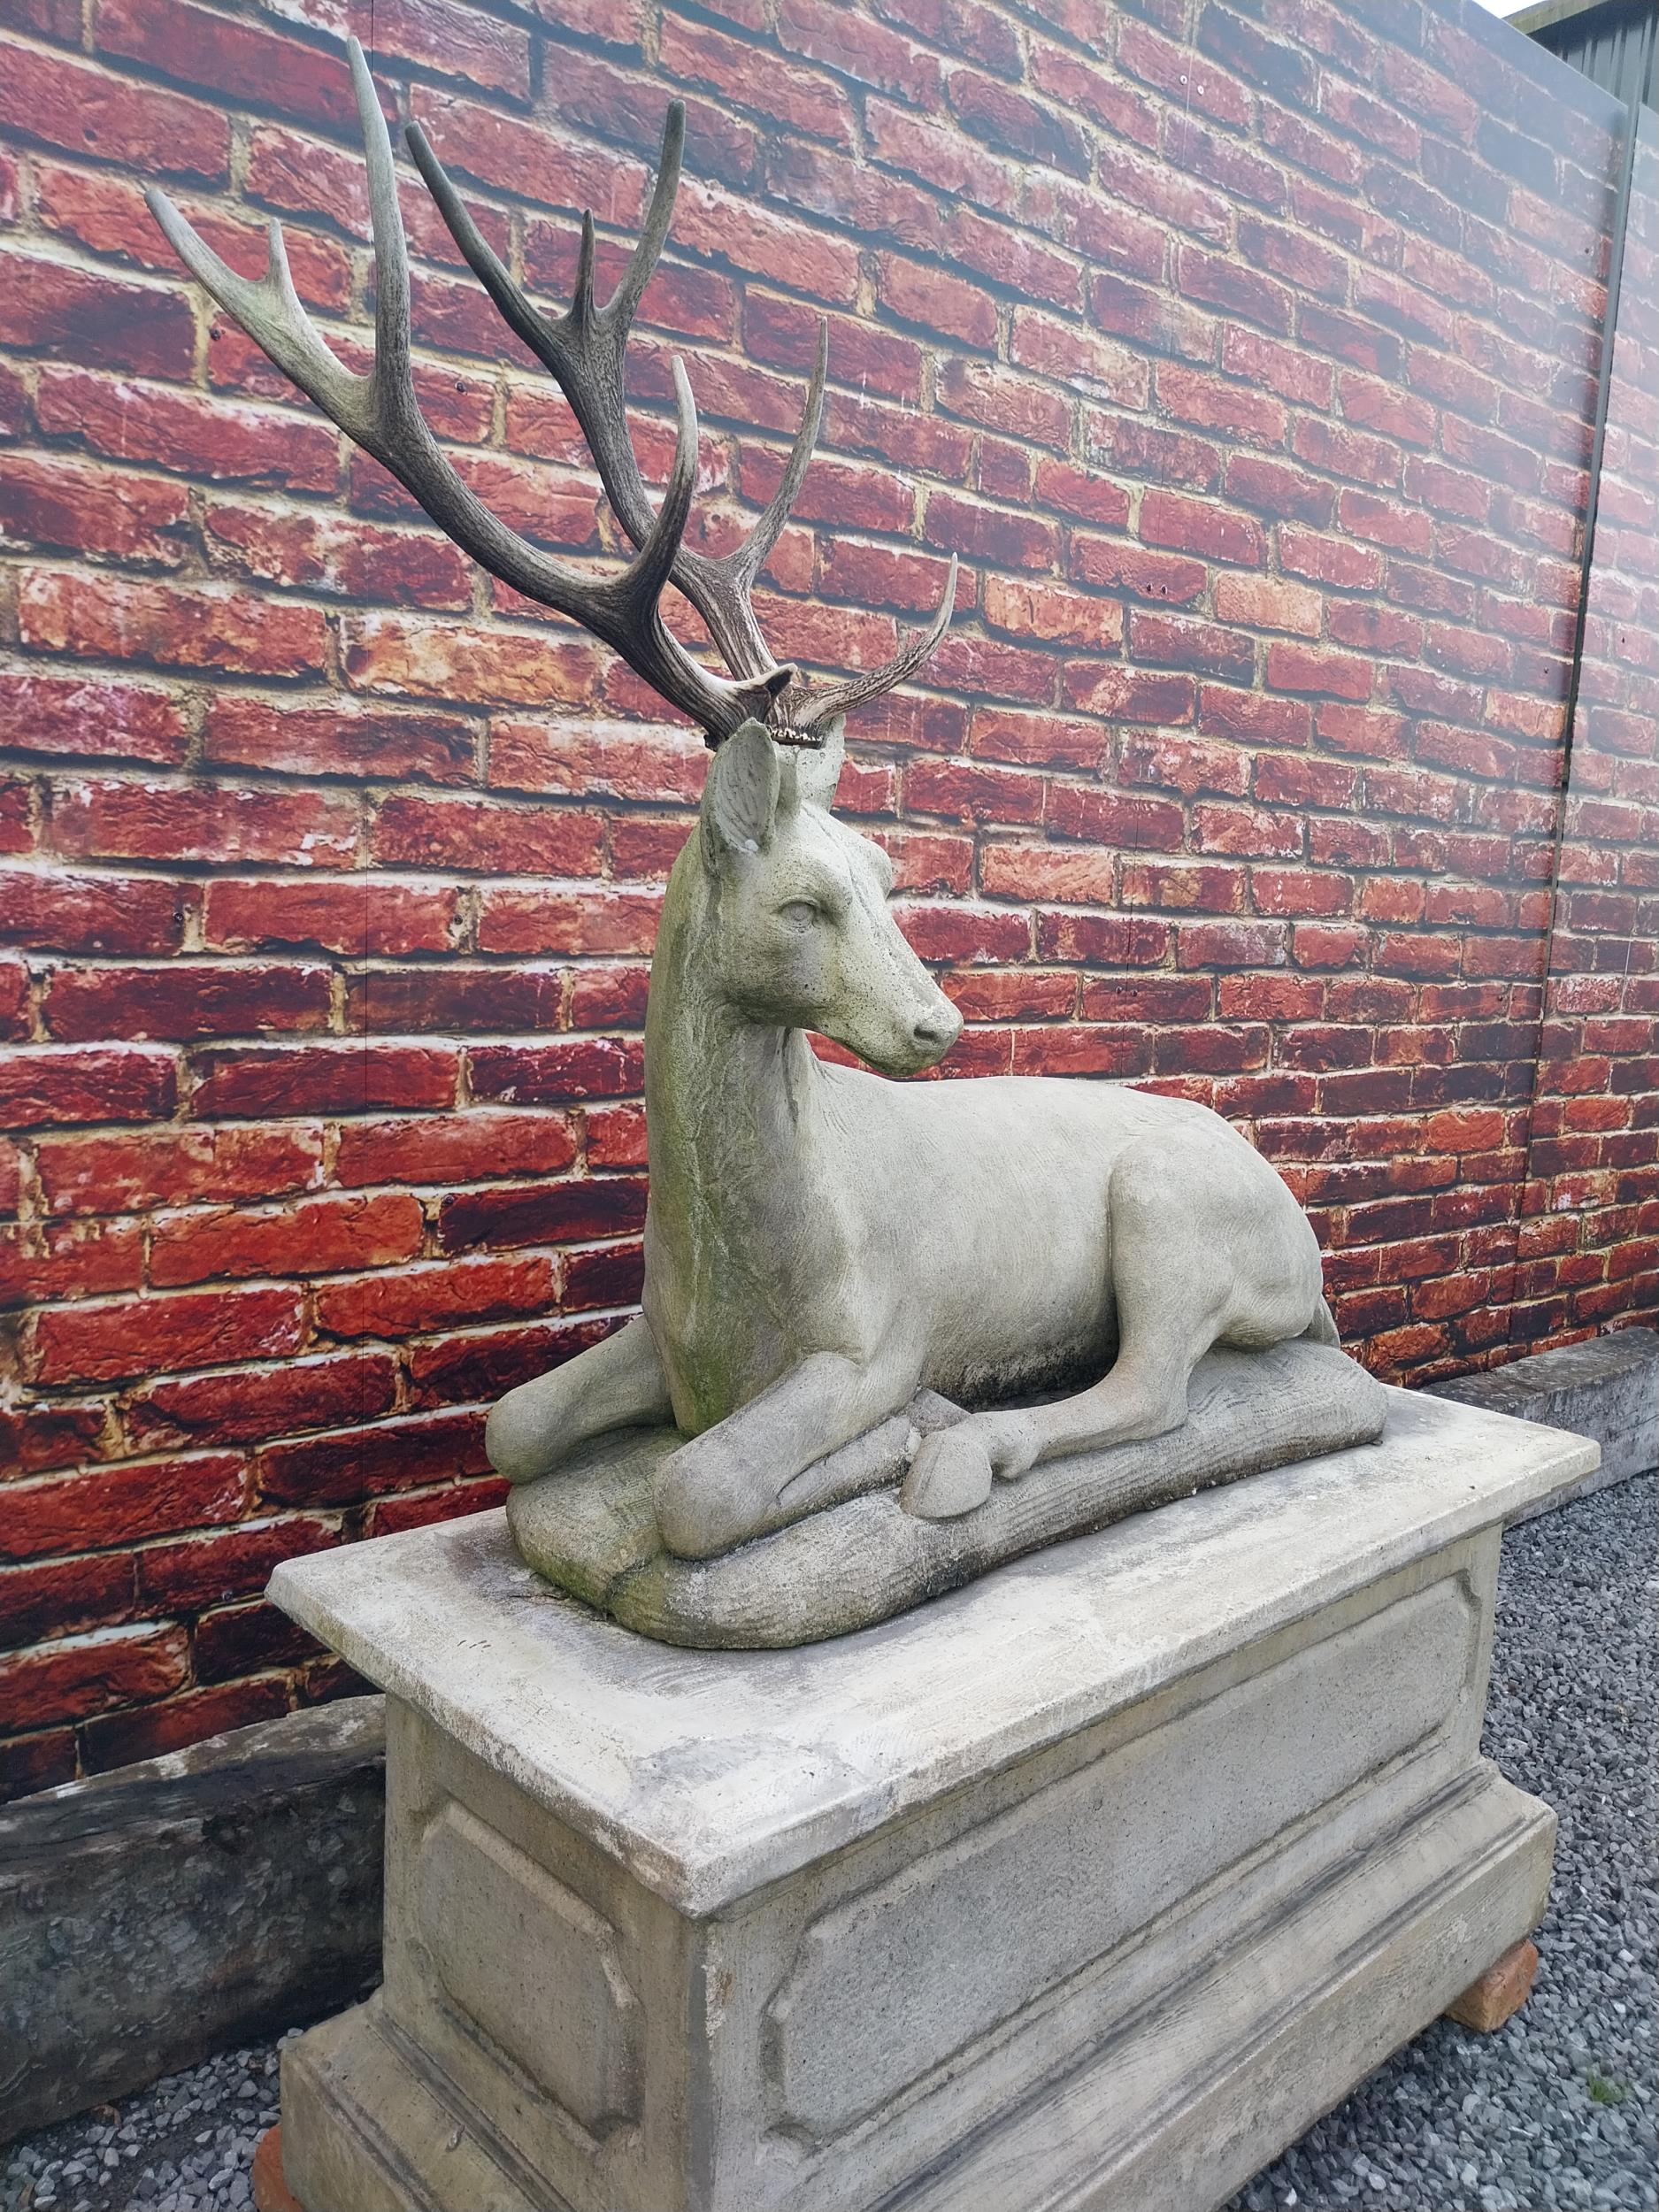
(1090, 1884)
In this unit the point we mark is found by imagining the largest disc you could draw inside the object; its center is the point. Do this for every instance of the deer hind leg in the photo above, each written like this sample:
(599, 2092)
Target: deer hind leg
(616, 1384)
(1201, 1249)
(1170, 1289)
(1207, 1246)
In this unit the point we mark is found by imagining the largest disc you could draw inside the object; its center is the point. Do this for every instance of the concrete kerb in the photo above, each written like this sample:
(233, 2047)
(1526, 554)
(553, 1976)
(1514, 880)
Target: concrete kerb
(156, 1915)
(1607, 1387)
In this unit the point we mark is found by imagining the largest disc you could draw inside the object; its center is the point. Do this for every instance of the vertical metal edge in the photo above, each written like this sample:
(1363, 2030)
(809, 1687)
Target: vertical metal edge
(1598, 443)
(1593, 500)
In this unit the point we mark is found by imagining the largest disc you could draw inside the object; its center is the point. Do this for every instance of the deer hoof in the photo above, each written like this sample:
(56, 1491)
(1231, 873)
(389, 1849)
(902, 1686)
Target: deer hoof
(949, 1475)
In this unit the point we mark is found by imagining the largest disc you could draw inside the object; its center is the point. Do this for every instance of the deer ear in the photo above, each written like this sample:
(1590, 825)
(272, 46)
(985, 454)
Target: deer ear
(739, 800)
(818, 768)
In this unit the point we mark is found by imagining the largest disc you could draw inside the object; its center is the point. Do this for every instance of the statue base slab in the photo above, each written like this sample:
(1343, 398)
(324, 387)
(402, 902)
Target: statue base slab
(1092, 1883)
(840, 1551)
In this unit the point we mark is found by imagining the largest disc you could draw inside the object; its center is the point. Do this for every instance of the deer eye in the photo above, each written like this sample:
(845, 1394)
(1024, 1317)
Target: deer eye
(802, 913)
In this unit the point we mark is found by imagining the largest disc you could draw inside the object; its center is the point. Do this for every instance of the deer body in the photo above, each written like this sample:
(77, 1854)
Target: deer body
(822, 1243)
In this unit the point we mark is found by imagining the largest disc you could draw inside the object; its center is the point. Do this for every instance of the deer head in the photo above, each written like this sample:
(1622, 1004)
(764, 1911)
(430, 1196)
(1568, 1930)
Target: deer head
(796, 931)
(584, 350)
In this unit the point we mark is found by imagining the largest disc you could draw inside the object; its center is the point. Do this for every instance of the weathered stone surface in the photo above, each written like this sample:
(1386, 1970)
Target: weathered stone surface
(171, 1908)
(1092, 1882)
(1607, 1387)
(841, 1551)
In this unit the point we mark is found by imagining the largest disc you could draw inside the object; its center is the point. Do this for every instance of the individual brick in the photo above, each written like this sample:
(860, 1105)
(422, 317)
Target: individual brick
(351, 1464)
(186, 999)
(453, 999)
(192, 433)
(106, 1339)
(327, 1235)
(86, 509)
(339, 739)
(361, 916)
(63, 102)
(395, 654)
(57, 307)
(50, 910)
(136, 1171)
(54, 1597)
(251, 1405)
(74, 1676)
(96, 1507)
(226, 56)
(553, 1074)
(249, 1081)
(121, 818)
(76, 1084)
(434, 1294)
(88, 715)
(169, 626)
(217, 1565)
(448, 1149)
(575, 1209)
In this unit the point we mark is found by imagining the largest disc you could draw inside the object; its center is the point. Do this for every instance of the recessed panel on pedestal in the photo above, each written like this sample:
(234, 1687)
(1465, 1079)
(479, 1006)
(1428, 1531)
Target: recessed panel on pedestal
(524, 1958)
(888, 1986)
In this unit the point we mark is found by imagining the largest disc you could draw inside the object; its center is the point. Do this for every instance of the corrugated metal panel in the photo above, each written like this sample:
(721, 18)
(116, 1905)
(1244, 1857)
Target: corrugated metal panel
(1615, 43)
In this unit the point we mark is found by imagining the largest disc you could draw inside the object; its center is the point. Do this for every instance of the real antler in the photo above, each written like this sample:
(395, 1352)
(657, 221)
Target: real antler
(584, 350)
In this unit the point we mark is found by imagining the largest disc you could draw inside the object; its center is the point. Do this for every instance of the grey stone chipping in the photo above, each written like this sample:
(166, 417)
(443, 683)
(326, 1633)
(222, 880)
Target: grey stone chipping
(1558, 2109)
(186, 2144)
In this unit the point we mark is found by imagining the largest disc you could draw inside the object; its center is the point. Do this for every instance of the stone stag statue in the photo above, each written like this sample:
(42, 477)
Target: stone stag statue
(825, 1249)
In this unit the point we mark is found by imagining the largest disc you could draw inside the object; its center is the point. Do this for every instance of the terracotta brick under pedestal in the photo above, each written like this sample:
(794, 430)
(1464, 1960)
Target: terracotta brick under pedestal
(271, 2191)
(1500, 1992)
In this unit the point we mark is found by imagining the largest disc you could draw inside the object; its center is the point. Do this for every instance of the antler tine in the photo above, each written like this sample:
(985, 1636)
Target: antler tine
(623, 302)
(840, 698)
(269, 309)
(652, 566)
(584, 350)
(582, 294)
(392, 373)
(381, 413)
(746, 561)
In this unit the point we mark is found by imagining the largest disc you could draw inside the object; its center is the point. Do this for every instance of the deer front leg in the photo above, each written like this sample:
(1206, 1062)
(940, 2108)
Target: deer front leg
(715, 1491)
(618, 1383)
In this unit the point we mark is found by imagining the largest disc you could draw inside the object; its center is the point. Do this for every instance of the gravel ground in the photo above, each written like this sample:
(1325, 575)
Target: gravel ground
(1557, 2110)
(184, 2144)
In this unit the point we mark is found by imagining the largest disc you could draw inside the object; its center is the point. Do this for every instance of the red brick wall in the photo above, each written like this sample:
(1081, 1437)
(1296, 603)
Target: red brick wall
(1244, 351)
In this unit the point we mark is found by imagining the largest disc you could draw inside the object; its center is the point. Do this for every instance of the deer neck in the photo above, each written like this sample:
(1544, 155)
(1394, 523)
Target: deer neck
(733, 1114)
(729, 1102)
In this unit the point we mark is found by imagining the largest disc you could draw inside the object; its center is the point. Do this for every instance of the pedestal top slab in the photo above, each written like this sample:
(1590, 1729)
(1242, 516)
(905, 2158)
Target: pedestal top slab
(708, 1774)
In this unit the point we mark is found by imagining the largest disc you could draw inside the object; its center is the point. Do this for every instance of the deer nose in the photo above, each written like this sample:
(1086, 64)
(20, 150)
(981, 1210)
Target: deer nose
(938, 1030)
